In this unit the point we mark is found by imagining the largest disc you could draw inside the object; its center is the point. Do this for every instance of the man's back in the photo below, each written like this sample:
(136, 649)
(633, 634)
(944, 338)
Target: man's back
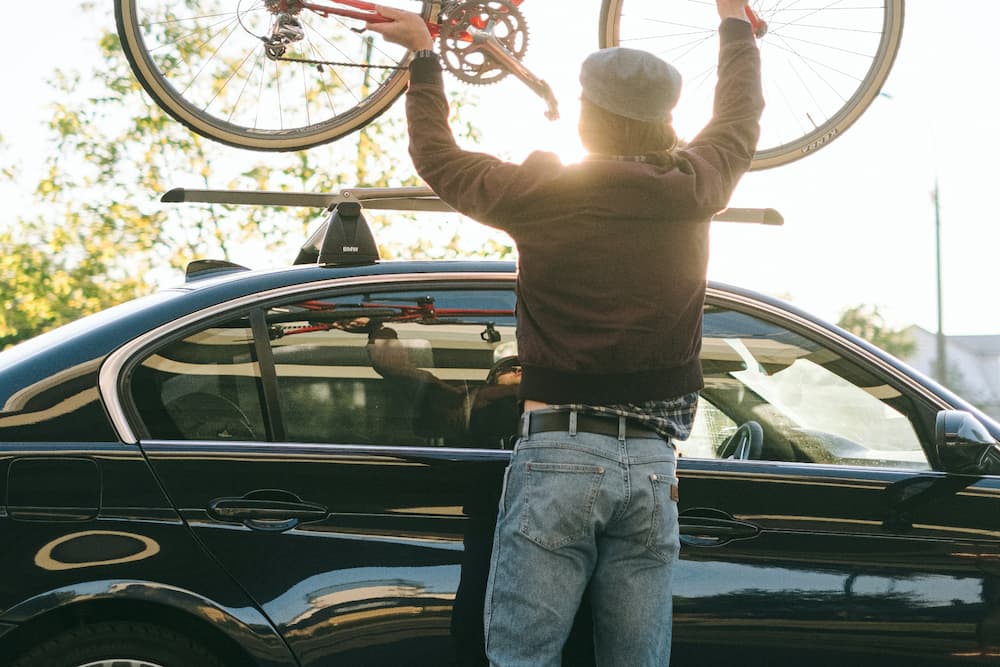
(612, 251)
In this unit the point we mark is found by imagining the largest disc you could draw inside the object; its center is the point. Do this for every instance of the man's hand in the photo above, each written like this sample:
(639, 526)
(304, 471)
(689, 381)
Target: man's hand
(404, 28)
(732, 9)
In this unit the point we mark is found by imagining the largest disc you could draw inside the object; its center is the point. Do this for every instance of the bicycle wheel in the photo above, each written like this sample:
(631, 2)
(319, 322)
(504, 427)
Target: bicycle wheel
(823, 62)
(207, 63)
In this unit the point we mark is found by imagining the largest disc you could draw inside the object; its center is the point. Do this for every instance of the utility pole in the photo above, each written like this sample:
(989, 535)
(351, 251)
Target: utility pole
(941, 363)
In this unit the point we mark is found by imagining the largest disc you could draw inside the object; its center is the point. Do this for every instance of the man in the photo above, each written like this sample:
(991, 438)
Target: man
(484, 416)
(613, 257)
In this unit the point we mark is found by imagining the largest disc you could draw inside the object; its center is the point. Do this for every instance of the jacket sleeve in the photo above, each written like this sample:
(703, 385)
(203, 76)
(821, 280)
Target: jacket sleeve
(475, 184)
(722, 151)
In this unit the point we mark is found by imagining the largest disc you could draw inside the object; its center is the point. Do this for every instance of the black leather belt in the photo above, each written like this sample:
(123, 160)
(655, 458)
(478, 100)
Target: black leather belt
(542, 422)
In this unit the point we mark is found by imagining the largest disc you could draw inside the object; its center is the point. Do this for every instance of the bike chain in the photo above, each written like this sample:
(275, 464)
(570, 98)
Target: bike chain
(321, 63)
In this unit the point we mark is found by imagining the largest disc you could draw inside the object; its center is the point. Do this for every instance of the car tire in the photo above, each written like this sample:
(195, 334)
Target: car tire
(119, 644)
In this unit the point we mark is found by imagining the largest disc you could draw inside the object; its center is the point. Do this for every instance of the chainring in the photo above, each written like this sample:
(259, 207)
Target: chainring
(462, 56)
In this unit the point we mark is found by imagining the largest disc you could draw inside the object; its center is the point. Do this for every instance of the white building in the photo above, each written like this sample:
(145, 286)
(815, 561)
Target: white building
(973, 366)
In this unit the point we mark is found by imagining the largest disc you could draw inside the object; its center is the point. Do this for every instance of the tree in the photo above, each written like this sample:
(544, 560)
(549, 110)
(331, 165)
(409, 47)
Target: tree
(866, 321)
(100, 236)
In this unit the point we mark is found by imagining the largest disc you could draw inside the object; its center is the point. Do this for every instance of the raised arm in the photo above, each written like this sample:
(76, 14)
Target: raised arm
(727, 143)
(473, 183)
(732, 9)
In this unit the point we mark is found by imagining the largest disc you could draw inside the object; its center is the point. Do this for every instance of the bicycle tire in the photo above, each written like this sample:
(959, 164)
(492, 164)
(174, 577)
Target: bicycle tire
(794, 64)
(207, 68)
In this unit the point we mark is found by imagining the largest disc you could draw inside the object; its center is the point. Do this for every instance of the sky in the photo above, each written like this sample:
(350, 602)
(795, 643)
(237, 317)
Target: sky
(859, 219)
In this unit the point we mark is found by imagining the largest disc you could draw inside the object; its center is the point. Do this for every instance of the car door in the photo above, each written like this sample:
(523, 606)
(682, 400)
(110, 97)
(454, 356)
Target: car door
(330, 449)
(836, 540)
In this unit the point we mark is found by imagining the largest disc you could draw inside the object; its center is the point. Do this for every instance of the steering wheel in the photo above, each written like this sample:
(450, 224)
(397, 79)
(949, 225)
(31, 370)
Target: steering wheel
(746, 443)
(205, 416)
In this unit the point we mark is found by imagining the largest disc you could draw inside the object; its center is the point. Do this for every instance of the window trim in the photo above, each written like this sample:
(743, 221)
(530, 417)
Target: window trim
(114, 373)
(115, 370)
(812, 329)
(266, 450)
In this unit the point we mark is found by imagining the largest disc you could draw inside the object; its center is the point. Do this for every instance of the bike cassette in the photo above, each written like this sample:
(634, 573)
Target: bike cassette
(465, 26)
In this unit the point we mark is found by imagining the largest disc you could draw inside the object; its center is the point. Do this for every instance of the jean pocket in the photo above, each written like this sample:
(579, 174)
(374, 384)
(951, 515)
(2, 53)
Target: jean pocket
(559, 502)
(663, 539)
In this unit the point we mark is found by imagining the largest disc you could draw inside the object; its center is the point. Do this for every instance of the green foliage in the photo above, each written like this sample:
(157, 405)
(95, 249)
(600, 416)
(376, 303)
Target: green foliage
(98, 234)
(865, 321)
(39, 292)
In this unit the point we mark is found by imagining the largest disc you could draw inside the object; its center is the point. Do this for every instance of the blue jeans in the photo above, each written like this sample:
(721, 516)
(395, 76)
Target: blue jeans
(584, 512)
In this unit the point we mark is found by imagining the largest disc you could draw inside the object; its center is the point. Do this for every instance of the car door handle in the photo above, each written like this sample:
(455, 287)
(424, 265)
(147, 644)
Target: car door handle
(705, 527)
(267, 510)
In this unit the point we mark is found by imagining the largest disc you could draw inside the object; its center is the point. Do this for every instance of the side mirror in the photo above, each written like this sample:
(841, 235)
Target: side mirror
(964, 445)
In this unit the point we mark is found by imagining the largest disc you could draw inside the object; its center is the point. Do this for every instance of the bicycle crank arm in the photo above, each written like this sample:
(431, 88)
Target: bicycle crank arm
(491, 45)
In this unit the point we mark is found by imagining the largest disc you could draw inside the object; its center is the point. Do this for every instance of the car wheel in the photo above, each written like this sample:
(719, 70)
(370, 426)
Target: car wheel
(122, 644)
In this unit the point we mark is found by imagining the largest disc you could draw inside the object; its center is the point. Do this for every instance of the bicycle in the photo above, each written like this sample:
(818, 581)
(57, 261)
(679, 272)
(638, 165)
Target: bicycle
(284, 75)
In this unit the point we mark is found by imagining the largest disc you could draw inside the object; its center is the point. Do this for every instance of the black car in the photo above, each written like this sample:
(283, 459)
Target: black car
(300, 467)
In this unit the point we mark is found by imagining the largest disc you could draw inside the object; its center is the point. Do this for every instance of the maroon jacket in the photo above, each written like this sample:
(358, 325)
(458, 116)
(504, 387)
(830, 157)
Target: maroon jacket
(612, 254)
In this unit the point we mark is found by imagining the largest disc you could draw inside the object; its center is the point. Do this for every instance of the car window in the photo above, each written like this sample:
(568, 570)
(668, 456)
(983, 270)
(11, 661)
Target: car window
(711, 427)
(205, 386)
(408, 368)
(812, 403)
(438, 367)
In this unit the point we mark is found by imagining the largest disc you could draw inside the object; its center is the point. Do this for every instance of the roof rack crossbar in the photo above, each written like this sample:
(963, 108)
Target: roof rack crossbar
(419, 198)
(413, 198)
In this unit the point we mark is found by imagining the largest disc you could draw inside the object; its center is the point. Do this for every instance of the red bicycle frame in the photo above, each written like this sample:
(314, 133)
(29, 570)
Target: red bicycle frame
(361, 10)
(758, 24)
(365, 11)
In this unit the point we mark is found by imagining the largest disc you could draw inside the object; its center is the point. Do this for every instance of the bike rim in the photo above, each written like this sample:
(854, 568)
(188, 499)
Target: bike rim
(204, 63)
(824, 63)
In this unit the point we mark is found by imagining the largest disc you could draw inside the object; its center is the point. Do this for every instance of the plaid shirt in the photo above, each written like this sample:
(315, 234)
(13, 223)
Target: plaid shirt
(671, 418)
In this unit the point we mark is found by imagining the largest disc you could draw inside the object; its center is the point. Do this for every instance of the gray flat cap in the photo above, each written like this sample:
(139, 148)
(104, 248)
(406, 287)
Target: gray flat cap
(630, 83)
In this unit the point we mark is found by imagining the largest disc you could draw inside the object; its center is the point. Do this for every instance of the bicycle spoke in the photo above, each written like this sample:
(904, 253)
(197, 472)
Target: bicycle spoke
(822, 61)
(175, 45)
(813, 61)
(233, 73)
(260, 93)
(207, 62)
(237, 72)
(323, 87)
(277, 90)
(246, 82)
(199, 17)
(831, 47)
